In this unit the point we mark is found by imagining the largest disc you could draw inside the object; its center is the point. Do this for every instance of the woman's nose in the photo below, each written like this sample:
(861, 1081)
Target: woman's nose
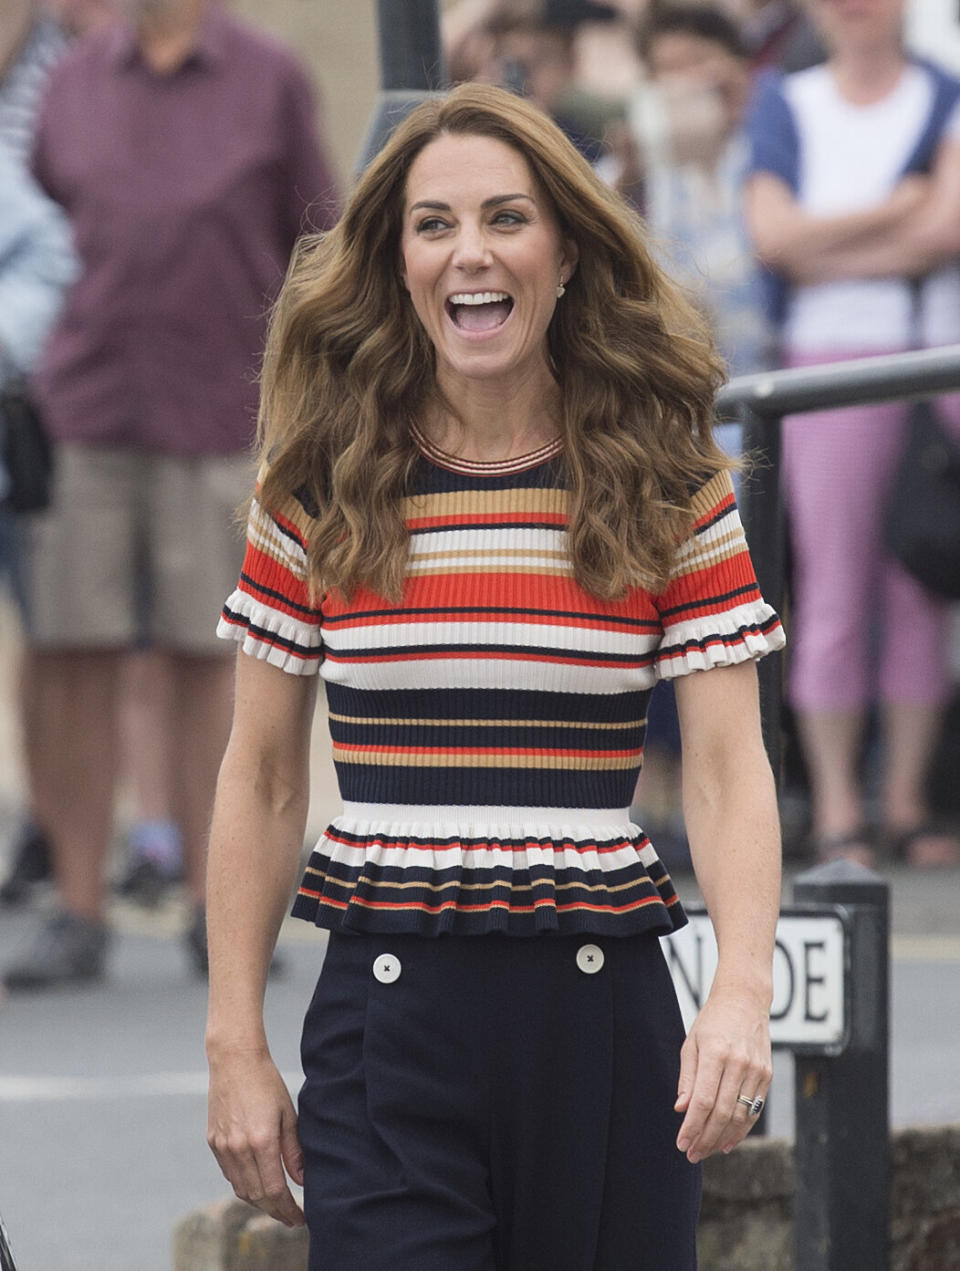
(472, 251)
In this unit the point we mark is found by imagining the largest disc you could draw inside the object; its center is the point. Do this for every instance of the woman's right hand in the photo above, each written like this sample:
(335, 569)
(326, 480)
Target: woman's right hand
(252, 1131)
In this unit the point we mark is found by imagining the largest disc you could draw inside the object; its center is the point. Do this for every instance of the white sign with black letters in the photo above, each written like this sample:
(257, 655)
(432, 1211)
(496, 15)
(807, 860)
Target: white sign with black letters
(809, 1008)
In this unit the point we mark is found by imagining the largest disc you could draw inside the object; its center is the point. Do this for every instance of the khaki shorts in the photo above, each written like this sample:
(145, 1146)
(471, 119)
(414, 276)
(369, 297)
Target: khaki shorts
(137, 549)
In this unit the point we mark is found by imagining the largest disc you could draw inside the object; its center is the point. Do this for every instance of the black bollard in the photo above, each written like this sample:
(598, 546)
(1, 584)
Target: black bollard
(842, 1212)
(763, 525)
(411, 66)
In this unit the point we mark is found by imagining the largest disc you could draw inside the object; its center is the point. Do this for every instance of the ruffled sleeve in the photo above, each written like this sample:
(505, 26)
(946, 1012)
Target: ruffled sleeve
(271, 612)
(712, 612)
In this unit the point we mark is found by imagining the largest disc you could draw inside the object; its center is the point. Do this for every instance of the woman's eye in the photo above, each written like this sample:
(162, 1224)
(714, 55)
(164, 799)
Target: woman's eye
(509, 218)
(430, 224)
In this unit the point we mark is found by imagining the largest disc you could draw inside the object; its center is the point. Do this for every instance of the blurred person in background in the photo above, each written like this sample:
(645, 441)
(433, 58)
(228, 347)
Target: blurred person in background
(154, 843)
(30, 45)
(36, 264)
(80, 17)
(693, 170)
(528, 46)
(778, 34)
(33, 37)
(854, 195)
(689, 153)
(183, 146)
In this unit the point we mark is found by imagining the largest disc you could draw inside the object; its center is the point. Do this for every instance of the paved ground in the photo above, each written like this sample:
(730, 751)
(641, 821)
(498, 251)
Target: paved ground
(102, 1090)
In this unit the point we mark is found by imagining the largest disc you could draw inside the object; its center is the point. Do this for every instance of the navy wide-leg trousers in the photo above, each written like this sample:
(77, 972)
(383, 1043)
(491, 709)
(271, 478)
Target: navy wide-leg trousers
(488, 1103)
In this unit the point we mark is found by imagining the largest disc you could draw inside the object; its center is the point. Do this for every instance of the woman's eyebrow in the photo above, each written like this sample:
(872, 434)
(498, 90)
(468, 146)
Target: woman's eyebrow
(494, 201)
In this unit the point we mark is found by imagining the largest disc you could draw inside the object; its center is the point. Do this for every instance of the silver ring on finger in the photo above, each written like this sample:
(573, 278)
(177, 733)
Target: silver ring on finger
(753, 1106)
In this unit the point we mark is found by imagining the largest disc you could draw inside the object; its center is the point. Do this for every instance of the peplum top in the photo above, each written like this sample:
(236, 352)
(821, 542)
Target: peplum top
(488, 728)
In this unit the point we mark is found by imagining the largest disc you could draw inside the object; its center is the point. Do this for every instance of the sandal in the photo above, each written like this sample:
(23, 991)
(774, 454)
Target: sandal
(855, 846)
(925, 846)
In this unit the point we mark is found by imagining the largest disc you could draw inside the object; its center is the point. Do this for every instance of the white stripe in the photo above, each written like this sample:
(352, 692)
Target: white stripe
(478, 672)
(613, 820)
(489, 538)
(303, 634)
(728, 524)
(266, 536)
(728, 623)
(587, 860)
(589, 642)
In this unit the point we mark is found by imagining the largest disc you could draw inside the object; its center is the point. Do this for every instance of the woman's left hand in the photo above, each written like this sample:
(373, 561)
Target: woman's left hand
(726, 1054)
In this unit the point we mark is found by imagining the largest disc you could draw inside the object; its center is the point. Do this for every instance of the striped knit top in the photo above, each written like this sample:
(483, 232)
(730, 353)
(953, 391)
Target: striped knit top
(488, 729)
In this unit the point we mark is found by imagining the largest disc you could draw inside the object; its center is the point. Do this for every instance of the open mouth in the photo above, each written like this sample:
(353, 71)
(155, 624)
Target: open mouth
(479, 310)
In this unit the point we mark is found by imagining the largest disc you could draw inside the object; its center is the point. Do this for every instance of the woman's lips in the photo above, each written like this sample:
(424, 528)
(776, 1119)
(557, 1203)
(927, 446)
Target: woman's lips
(478, 313)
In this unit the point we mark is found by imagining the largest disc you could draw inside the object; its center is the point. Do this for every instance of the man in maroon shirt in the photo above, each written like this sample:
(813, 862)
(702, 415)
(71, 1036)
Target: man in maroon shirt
(183, 147)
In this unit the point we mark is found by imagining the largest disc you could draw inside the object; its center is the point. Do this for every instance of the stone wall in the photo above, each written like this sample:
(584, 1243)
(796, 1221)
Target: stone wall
(746, 1222)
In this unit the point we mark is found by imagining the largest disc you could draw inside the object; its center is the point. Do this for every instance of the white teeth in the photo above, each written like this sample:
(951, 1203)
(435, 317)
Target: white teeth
(478, 297)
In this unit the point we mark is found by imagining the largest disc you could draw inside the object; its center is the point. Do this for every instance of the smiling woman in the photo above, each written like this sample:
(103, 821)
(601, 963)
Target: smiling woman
(622, 369)
(483, 259)
(491, 516)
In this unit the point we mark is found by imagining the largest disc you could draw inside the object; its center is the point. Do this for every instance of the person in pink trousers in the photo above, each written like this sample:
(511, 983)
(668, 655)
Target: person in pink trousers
(854, 204)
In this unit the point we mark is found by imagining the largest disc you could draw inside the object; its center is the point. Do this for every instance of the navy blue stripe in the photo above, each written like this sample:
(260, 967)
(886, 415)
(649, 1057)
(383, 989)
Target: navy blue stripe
(483, 703)
(704, 602)
(489, 787)
(717, 516)
(270, 637)
(730, 640)
(273, 594)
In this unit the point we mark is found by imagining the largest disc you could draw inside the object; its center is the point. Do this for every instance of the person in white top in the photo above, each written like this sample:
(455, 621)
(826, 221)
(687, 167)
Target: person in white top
(854, 198)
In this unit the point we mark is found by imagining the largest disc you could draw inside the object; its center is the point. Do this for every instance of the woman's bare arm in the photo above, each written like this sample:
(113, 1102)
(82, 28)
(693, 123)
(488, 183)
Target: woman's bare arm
(255, 845)
(731, 814)
(813, 249)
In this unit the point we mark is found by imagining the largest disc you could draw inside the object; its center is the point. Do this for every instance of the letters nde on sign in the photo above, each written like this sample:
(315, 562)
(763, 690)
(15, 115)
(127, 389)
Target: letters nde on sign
(809, 1008)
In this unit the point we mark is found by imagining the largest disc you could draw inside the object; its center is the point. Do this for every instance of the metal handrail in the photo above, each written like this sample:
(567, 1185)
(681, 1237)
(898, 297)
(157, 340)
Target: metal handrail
(760, 402)
(894, 377)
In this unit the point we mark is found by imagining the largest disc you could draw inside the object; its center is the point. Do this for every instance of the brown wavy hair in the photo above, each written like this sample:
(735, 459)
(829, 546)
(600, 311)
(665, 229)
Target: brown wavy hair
(349, 367)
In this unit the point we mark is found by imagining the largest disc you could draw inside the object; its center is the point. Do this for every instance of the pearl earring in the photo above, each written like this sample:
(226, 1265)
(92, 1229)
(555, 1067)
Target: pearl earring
(561, 289)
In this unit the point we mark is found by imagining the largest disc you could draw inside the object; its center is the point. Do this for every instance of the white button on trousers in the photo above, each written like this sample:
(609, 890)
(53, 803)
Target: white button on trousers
(386, 968)
(590, 959)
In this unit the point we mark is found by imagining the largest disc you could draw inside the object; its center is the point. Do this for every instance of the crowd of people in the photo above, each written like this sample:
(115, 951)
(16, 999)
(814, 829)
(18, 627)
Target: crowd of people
(795, 167)
(176, 151)
(796, 170)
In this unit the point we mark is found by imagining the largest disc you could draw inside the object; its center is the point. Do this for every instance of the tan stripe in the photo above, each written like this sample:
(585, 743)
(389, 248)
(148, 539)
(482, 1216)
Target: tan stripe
(288, 557)
(470, 502)
(708, 496)
(291, 509)
(704, 547)
(704, 560)
(481, 723)
(469, 759)
(476, 887)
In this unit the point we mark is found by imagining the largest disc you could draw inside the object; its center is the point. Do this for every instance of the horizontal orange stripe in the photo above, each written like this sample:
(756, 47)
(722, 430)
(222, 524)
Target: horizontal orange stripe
(467, 759)
(546, 902)
(489, 750)
(475, 655)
